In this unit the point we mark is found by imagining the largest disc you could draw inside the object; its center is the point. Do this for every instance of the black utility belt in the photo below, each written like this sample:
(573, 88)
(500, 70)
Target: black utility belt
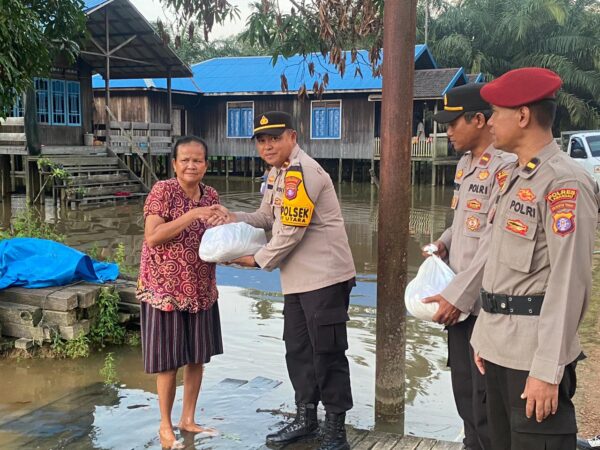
(519, 305)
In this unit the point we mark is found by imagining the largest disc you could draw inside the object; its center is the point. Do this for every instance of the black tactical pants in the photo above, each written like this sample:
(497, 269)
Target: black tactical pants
(314, 331)
(468, 385)
(510, 429)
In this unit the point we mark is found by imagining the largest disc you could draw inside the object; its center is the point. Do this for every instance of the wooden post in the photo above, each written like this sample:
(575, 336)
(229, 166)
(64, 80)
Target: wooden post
(5, 176)
(253, 167)
(394, 209)
(32, 179)
(107, 79)
(434, 148)
(170, 116)
(339, 180)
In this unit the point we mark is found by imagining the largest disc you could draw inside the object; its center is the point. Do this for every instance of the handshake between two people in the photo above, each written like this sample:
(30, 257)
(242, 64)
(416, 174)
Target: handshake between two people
(215, 215)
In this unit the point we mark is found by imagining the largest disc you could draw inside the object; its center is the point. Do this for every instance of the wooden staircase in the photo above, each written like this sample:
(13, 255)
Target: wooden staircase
(93, 178)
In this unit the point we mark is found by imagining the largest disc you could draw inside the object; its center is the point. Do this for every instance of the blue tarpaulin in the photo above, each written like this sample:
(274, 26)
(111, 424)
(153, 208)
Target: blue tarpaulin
(37, 263)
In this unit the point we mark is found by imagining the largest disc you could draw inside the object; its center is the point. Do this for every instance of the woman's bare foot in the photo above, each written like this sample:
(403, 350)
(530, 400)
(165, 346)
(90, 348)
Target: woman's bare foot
(195, 428)
(168, 439)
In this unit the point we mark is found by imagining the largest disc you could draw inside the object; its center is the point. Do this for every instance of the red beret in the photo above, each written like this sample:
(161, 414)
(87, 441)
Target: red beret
(521, 87)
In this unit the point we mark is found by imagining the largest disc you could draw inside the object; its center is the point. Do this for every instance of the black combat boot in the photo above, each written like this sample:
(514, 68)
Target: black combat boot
(334, 434)
(304, 425)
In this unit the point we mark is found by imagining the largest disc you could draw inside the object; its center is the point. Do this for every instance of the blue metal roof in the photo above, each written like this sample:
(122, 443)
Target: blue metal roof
(256, 74)
(90, 4)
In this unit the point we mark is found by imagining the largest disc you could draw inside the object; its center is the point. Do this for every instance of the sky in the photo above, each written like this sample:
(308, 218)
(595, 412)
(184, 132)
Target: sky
(153, 9)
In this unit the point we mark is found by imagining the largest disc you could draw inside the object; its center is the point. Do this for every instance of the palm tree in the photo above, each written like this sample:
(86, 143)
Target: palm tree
(493, 37)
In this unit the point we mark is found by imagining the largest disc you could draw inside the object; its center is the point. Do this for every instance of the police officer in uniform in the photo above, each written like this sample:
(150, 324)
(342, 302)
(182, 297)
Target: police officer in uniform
(479, 174)
(537, 280)
(310, 247)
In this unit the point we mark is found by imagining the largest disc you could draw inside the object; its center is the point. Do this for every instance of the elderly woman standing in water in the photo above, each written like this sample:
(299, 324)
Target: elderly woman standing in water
(178, 293)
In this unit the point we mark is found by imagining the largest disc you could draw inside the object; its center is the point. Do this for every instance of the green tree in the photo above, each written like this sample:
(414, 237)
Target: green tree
(493, 37)
(197, 49)
(32, 34)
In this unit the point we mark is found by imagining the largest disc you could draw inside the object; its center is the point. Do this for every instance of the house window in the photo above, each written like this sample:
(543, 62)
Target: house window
(58, 102)
(73, 103)
(42, 96)
(17, 109)
(326, 119)
(240, 118)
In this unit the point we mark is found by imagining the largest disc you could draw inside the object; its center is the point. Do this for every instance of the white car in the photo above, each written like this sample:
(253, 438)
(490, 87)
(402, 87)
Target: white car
(584, 147)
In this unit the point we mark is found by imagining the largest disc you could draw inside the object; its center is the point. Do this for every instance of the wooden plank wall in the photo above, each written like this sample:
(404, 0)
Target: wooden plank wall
(148, 106)
(357, 126)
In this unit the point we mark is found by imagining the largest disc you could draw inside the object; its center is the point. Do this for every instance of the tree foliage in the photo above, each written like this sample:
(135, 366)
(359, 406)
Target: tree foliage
(190, 15)
(197, 49)
(32, 34)
(333, 28)
(493, 37)
(488, 36)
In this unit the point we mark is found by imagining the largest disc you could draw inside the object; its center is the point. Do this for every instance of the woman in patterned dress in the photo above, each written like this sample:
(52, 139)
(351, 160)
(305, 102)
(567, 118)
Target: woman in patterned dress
(177, 290)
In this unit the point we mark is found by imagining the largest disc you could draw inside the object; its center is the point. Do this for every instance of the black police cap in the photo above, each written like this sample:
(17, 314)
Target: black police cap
(272, 123)
(460, 100)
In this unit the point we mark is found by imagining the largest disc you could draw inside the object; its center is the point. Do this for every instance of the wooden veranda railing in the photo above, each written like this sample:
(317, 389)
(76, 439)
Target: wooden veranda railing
(420, 149)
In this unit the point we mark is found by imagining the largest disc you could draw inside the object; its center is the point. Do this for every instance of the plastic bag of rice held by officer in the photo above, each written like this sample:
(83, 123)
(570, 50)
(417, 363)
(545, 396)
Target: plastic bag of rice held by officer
(432, 278)
(227, 242)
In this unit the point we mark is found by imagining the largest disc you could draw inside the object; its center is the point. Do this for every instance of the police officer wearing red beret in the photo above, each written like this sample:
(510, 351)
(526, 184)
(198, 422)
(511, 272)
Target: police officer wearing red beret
(537, 280)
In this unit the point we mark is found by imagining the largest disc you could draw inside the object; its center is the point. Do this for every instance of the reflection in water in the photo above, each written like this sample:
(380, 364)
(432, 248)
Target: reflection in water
(252, 330)
(252, 327)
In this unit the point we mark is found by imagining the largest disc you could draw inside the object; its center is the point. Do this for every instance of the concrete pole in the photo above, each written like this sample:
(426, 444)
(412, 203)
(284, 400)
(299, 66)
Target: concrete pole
(394, 210)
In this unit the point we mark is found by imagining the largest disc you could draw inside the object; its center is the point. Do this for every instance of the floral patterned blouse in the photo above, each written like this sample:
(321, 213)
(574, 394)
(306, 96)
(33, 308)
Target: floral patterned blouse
(172, 275)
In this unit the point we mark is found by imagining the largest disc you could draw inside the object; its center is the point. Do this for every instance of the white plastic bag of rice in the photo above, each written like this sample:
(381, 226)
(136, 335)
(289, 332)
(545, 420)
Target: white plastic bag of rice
(432, 278)
(227, 242)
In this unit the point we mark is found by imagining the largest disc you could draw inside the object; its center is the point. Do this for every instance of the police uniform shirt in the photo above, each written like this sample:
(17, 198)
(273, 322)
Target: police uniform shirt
(541, 243)
(309, 255)
(476, 185)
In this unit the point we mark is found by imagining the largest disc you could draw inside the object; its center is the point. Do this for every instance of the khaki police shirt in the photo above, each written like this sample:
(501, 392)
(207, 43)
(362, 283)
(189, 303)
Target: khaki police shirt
(541, 242)
(476, 185)
(311, 257)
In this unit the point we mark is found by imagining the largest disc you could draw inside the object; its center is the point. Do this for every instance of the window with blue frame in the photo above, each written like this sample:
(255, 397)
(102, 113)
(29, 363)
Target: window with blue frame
(42, 96)
(18, 109)
(326, 119)
(73, 103)
(240, 119)
(58, 102)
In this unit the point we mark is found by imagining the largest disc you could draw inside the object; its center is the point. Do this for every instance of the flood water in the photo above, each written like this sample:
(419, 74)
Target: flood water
(67, 408)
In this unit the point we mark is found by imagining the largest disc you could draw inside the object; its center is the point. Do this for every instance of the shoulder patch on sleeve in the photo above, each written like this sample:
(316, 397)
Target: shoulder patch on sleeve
(563, 222)
(297, 208)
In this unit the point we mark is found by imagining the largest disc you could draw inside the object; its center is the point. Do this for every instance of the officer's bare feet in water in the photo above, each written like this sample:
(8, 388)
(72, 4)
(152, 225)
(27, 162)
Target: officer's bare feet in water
(168, 439)
(192, 427)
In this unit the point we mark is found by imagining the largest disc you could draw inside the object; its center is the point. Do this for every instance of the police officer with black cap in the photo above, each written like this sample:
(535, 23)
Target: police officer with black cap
(479, 175)
(310, 247)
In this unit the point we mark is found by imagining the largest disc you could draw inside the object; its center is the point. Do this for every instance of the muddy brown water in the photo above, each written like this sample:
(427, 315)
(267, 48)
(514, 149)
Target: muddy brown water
(62, 404)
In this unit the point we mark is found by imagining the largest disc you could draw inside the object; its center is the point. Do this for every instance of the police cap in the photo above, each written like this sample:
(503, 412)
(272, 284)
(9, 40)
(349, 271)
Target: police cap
(273, 123)
(522, 87)
(460, 100)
